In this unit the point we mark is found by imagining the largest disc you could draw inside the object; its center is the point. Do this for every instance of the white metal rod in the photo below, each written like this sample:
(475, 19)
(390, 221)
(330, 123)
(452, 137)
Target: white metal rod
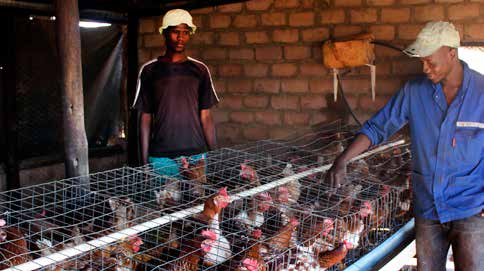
(65, 254)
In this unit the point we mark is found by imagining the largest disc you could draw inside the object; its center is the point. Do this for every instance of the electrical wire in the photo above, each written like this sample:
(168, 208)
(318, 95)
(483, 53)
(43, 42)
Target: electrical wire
(340, 86)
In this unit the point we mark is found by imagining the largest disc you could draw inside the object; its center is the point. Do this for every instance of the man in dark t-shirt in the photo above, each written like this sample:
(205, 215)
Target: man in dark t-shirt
(174, 95)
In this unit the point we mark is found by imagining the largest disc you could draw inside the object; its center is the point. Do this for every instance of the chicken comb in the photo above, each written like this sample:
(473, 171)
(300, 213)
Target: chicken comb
(294, 221)
(223, 192)
(283, 189)
(209, 234)
(328, 222)
(257, 233)
(2, 222)
(250, 264)
(265, 196)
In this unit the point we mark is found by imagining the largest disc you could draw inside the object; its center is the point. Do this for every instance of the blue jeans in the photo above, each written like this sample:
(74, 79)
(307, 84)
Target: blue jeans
(434, 239)
(171, 167)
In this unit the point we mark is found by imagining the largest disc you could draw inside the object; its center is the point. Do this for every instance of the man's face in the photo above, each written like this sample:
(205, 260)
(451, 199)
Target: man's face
(438, 65)
(176, 37)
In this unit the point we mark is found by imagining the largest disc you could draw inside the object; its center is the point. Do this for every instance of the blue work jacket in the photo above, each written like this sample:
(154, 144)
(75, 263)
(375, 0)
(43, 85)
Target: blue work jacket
(447, 144)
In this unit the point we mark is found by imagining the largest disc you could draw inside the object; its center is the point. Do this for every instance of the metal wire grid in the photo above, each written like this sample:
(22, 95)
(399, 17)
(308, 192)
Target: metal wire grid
(65, 203)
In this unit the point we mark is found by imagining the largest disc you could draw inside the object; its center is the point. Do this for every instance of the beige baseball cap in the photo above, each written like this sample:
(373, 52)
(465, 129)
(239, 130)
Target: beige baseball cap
(175, 17)
(433, 36)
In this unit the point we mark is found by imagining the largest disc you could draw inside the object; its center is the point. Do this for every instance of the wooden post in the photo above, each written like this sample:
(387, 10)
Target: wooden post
(8, 90)
(69, 49)
(133, 128)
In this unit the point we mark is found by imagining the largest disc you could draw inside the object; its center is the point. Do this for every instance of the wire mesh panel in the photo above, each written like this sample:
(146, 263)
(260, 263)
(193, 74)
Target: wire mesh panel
(259, 206)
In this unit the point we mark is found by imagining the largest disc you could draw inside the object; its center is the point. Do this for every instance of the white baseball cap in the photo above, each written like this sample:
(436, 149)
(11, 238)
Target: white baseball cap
(175, 17)
(433, 36)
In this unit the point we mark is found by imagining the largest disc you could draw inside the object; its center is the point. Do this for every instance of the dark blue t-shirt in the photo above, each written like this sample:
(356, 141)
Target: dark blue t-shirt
(175, 93)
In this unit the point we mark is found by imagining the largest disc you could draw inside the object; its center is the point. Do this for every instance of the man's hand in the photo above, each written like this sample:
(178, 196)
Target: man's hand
(336, 174)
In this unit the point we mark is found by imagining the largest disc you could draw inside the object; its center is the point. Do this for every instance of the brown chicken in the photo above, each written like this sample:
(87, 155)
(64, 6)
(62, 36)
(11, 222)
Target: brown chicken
(329, 258)
(13, 246)
(282, 239)
(192, 251)
(196, 173)
(249, 174)
(253, 258)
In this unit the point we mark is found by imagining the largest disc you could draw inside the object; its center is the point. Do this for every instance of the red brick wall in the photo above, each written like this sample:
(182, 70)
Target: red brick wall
(265, 57)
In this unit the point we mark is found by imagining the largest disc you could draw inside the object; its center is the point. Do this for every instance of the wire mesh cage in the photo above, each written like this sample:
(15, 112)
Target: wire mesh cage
(259, 206)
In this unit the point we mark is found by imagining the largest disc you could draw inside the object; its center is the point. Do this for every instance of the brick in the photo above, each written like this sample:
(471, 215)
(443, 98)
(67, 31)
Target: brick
(315, 34)
(366, 103)
(346, 30)
(285, 102)
(245, 21)
(429, 13)
(406, 67)
(268, 118)
(386, 52)
(347, 3)
(153, 40)
(295, 118)
(256, 101)
(321, 85)
(143, 56)
(203, 38)
(395, 15)
(231, 102)
(229, 38)
(193, 52)
(219, 21)
(474, 32)
(255, 133)
(256, 37)
(239, 86)
(198, 21)
(230, 70)
(268, 53)
(202, 10)
(286, 3)
(241, 54)
(380, 2)
(273, 19)
(301, 19)
(313, 69)
(388, 86)
(219, 85)
(296, 52)
(367, 15)
(285, 35)
(267, 85)
(463, 11)
(236, 7)
(356, 85)
(383, 32)
(214, 54)
(258, 5)
(294, 86)
(242, 117)
(313, 102)
(256, 70)
(413, 2)
(333, 16)
(309, 3)
(146, 26)
(229, 132)
(319, 118)
(220, 116)
(284, 69)
(280, 133)
(409, 31)
(449, 1)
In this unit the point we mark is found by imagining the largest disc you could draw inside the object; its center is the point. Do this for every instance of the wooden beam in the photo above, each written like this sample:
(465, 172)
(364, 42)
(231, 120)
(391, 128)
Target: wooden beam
(69, 50)
(132, 131)
(8, 90)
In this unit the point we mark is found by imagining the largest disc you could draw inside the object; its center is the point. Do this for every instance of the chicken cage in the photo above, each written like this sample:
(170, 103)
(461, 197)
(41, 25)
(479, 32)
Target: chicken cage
(259, 206)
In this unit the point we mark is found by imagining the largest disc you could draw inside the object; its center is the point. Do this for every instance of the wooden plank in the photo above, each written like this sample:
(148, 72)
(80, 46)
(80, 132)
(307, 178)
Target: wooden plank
(9, 101)
(69, 50)
(132, 131)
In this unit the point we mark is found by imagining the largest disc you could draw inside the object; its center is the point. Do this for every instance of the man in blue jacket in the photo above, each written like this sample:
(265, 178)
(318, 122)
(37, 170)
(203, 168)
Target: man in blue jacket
(445, 112)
